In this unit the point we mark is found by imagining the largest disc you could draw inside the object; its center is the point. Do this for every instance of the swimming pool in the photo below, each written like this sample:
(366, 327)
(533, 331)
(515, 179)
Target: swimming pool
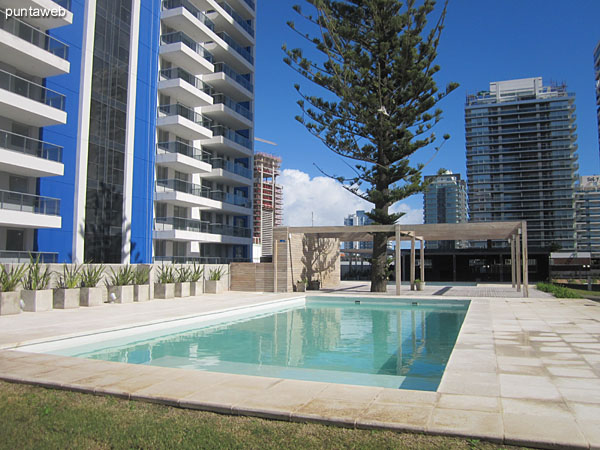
(391, 343)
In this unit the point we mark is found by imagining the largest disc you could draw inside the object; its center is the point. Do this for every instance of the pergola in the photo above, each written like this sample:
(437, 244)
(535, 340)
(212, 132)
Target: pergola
(515, 232)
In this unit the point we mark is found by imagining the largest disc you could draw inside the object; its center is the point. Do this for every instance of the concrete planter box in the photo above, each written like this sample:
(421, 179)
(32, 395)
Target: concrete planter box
(123, 294)
(300, 286)
(196, 288)
(90, 296)
(37, 300)
(141, 292)
(215, 286)
(420, 285)
(182, 289)
(66, 298)
(9, 303)
(164, 290)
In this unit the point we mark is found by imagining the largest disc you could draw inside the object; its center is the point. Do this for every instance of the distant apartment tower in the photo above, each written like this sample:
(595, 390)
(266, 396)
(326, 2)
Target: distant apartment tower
(521, 160)
(587, 214)
(445, 201)
(29, 56)
(359, 218)
(268, 200)
(597, 71)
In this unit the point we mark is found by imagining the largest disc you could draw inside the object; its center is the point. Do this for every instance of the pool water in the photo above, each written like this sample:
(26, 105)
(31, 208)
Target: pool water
(372, 343)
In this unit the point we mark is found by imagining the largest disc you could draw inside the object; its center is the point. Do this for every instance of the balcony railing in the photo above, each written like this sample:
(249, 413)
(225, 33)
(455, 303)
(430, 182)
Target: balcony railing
(199, 226)
(240, 79)
(220, 130)
(202, 191)
(177, 72)
(251, 4)
(33, 91)
(245, 53)
(242, 110)
(64, 3)
(185, 112)
(245, 24)
(29, 146)
(172, 4)
(34, 36)
(10, 256)
(179, 36)
(238, 169)
(198, 259)
(184, 149)
(19, 201)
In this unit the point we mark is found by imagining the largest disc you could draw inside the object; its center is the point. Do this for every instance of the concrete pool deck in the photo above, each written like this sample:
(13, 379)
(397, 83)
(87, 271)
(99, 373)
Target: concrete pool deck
(524, 371)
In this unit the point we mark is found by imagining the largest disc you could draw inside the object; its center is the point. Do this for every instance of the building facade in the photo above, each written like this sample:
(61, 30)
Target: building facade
(521, 158)
(597, 76)
(359, 218)
(445, 201)
(268, 201)
(587, 214)
(30, 56)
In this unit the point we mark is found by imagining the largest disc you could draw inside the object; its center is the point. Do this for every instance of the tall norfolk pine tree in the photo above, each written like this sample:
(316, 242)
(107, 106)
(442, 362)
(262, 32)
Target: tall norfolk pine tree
(377, 61)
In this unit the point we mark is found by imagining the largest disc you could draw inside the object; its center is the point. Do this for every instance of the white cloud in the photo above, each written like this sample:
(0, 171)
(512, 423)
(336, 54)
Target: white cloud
(327, 200)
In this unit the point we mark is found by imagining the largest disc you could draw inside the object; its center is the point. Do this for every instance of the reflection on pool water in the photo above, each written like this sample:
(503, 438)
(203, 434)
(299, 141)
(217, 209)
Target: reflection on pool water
(384, 343)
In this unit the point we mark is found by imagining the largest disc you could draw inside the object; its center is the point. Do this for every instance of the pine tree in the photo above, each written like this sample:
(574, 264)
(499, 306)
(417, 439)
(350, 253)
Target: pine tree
(377, 63)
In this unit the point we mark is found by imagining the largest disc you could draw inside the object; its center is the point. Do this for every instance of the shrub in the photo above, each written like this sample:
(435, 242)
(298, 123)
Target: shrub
(142, 275)
(36, 278)
(70, 277)
(183, 275)
(91, 276)
(557, 291)
(122, 277)
(216, 274)
(10, 279)
(196, 273)
(166, 275)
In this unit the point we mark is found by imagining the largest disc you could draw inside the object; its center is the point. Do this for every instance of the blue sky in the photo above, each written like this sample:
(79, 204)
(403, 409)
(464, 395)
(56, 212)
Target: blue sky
(483, 41)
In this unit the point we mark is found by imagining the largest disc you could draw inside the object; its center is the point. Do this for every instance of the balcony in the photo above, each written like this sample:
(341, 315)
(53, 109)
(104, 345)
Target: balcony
(183, 16)
(228, 142)
(31, 50)
(28, 210)
(232, 173)
(227, 18)
(184, 122)
(198, 259)
(225, 48)
(29, 157)
(30, 103)
(184, 87)
(184, 52)
(228, 112)
(245, 8)
(45, 23)
(184, 229)
(15, 257)
(229, 82)
(183, 157)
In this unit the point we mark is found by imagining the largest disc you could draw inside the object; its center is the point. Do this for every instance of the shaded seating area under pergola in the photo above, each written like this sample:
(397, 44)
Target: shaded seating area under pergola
(514, 232)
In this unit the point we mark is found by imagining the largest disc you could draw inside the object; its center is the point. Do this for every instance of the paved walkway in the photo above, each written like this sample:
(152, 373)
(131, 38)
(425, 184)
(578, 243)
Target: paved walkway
(523, 372)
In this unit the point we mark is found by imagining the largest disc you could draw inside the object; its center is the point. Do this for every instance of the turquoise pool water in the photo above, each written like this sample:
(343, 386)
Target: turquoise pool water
(373, 343)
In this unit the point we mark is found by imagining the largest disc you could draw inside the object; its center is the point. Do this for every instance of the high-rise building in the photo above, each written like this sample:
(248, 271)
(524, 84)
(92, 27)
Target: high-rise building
(268, 200)
(154, 121)
(359, 218)
(29, 57)
(587, 214)
(521, 158)
(445, 201)
(597, 71)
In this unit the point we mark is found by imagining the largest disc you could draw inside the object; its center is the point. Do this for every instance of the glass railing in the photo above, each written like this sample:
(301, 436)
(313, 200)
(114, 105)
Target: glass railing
(245, 24)
(172, 4)
(201, 191)
(64, 3)
(250, 3)
(178, 36)
(10, 256)
(220, 130)
(240, 79)
(34, 36)
(33, 91)
(199, 226)
(184, 149)
(238, 169)
(29, 146)
(232, 199)
(197, 259)
(245, 53)
(185, 112)
(19, 201)
(242, 110)
(177, 72)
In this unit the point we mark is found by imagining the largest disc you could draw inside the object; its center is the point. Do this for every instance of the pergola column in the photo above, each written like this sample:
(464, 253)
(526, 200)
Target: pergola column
(511, 241)
(412, 262)
(518, 260)
(398, 259)
(525, 260)
(422, 257)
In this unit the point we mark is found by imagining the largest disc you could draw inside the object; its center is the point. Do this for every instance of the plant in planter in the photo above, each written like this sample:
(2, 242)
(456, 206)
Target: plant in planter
(182, 282)
(215, 283)
(141, 288)
(91, 294)
(313, 285)
(196, 280)
(120, 285)
(165, 288)
(9, 281)
(35, 294)
(301, 285)
(419, 284)
(66, 294)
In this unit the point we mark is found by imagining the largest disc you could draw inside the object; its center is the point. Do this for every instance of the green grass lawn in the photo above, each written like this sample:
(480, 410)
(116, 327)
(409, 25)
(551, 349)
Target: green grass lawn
(37, 418)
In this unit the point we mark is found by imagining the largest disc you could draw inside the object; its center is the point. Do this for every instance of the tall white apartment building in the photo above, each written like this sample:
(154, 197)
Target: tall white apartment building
(205, 131)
